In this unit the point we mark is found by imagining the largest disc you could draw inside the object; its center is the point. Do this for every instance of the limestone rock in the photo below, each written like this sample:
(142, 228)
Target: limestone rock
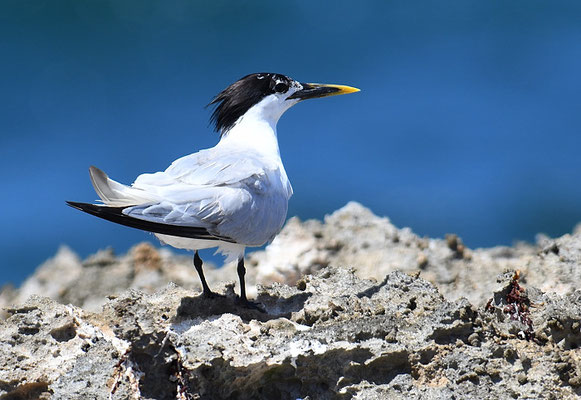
(354, 308)
(336, 336)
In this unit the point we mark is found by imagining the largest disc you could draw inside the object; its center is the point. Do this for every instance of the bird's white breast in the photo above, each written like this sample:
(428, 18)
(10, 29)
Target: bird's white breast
(237, 190)
(269, 190)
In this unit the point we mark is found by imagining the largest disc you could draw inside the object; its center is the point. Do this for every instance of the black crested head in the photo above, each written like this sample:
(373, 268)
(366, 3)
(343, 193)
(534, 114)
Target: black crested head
(236, 99)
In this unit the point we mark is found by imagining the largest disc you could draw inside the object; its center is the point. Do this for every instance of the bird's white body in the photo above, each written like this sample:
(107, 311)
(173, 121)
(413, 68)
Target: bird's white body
(238, 189)
(231, 196)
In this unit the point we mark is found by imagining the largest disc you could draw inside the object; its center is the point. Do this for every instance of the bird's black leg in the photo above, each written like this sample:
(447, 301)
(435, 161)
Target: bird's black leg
(198, 264)
(243, 299)
(241, 273)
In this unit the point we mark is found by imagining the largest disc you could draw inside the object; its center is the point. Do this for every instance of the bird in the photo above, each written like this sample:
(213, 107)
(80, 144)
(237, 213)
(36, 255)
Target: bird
(231, 196)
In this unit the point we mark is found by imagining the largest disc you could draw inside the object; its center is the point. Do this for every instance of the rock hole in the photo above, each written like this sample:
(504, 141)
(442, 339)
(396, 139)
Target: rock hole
(29, 330)
(64, 333)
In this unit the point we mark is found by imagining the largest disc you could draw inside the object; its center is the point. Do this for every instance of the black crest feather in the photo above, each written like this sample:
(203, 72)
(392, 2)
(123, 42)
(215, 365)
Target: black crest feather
(236, 99)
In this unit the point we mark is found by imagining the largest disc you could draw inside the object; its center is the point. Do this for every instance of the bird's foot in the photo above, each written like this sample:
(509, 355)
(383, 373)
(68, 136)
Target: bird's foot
(251, 305)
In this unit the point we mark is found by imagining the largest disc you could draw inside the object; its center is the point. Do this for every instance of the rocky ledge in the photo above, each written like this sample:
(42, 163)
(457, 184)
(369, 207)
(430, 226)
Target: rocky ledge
(353, 308)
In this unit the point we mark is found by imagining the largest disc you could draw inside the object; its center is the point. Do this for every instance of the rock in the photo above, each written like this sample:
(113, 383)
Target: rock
(353, 308)
(44, 343)
(352, 236)
(87, 284)
(325, 341)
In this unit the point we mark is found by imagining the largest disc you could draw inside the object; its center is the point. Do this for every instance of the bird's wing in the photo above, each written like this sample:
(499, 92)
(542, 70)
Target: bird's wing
(209, 189)
(203, 207)
(117, 215)
(211, 167)
(219, 191)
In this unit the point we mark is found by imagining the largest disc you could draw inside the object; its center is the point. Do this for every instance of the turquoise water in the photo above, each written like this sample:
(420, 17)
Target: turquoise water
(468, 120)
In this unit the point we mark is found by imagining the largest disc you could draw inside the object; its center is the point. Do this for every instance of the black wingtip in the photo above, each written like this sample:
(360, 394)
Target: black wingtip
(74, 204)
(115, 214)
(86, 207)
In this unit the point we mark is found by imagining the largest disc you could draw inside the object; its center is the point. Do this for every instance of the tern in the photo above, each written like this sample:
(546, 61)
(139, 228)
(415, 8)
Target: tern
(231, 196)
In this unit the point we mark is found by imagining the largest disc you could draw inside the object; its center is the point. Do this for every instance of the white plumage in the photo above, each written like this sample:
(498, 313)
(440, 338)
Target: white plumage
(230, 196)
(237, 189)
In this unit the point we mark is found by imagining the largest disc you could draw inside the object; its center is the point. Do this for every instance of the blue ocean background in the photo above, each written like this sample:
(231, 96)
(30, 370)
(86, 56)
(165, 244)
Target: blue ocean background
(469, 118)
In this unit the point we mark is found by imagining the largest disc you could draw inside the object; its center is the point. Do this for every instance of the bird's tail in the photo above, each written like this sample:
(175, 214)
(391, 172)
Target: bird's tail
(115, 194)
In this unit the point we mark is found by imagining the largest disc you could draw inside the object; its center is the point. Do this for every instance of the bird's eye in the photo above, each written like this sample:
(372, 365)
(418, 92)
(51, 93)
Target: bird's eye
(281, 87)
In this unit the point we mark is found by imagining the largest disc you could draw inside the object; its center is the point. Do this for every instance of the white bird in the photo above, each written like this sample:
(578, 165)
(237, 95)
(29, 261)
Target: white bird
(230, 196)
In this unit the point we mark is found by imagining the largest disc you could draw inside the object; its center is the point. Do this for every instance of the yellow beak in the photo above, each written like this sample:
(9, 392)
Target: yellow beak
(315, 90)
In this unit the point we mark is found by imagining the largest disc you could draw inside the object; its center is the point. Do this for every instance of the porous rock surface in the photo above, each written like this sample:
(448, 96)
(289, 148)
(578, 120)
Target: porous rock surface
(354, 236)
(363, 310)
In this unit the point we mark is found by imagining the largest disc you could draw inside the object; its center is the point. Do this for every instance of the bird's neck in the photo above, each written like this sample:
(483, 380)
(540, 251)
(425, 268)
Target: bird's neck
(255, 130)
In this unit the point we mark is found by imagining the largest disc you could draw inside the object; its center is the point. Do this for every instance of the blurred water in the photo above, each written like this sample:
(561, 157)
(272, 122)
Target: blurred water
(468, 120)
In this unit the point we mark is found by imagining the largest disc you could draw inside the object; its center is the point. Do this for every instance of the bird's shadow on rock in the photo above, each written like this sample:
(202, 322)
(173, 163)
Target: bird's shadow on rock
(267, 306)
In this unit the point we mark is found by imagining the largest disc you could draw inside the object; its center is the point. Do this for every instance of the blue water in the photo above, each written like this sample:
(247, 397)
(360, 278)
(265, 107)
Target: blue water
(469, 118)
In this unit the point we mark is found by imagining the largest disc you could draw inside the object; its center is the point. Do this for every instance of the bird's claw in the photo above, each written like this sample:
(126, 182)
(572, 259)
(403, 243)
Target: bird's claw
(251, 305)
